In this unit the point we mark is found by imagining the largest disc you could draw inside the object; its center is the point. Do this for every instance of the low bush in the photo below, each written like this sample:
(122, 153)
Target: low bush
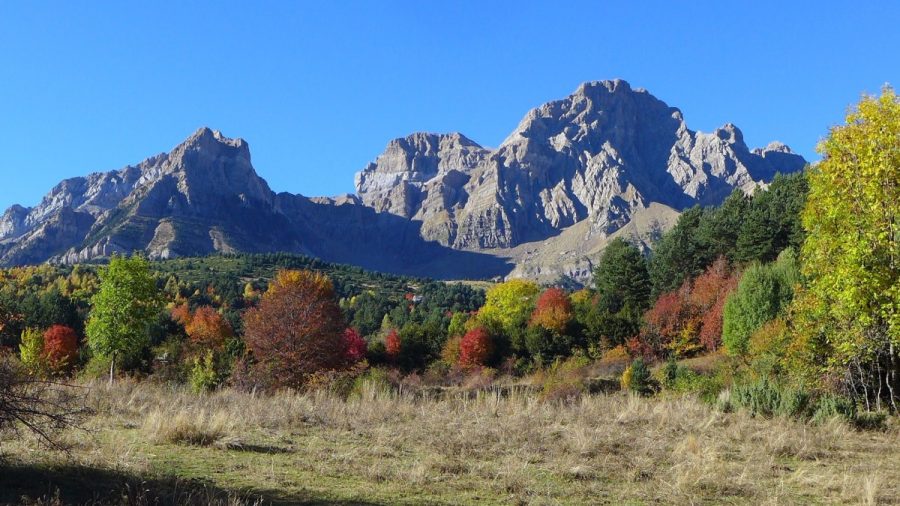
(203, 373)
(564, 380)
(637, 379)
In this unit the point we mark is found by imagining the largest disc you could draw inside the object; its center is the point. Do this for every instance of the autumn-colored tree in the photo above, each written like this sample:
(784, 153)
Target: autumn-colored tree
(507, 308)
(450, 351)
(672, 324)
(708, 295)
(60, 347)
(355, 345)
(553, 310)
(851, 256)
(476, 348)
(392, 344)
(181, 313)
(297, 329)
(689, 319)
(207, 329)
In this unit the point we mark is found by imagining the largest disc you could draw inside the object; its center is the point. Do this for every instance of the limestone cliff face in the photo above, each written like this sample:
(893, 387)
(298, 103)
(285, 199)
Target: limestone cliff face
(574, 172)
(599, 155)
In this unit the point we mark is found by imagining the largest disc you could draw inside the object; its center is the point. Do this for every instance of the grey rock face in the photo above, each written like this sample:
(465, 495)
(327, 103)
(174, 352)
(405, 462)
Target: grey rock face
(574, 172)
(599, 155)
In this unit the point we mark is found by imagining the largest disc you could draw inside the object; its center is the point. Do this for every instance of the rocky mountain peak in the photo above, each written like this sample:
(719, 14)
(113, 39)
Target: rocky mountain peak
(607, 159)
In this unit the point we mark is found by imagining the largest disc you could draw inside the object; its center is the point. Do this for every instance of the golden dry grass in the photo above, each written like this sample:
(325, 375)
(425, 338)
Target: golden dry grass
(385, 448)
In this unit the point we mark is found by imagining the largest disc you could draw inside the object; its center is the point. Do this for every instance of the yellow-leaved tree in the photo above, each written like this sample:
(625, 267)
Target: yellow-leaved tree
(848, 318)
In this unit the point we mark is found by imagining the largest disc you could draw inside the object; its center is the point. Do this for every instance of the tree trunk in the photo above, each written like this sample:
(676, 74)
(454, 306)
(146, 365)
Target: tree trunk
(112, 369)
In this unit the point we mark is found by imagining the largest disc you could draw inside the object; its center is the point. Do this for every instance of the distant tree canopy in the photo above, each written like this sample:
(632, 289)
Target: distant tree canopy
(743, 230)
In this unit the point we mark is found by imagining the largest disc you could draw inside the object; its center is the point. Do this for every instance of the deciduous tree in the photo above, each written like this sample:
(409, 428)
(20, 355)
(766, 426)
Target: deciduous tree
(852, 251)
(123, 310)
(297, 329)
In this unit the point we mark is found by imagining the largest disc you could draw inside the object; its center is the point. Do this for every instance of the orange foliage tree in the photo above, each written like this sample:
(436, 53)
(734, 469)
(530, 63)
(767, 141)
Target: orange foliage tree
(553, 310)
(207, 329)
(475, 348)
(392, 344)
(297, 329)
(60, 347)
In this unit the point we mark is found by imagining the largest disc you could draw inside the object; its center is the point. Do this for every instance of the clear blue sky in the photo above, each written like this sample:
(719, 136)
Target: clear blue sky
(318, 88)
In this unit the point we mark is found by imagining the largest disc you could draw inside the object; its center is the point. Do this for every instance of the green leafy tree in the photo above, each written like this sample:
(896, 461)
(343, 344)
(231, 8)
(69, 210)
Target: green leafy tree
(123, 310)
(764, 292)
(852, 250)
(31, 352)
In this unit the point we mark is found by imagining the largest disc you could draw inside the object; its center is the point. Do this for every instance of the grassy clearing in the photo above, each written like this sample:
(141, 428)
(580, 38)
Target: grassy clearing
(384, 448)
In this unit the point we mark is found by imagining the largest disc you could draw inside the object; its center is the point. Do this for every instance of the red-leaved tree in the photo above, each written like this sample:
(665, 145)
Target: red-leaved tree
(60, 347)
(689, 319)
(708, 295)
(392, 344)
(355, 345)
(475, 348)
(296, 330)
(553, 310)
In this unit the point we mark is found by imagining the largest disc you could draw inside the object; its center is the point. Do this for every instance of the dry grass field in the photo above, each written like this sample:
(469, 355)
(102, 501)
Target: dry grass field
(148, 443)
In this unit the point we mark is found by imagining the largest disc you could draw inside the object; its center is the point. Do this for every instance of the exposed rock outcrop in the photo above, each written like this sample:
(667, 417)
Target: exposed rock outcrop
(573, 173)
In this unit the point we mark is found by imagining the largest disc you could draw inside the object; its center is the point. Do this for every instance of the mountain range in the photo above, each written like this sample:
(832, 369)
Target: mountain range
(606, 161)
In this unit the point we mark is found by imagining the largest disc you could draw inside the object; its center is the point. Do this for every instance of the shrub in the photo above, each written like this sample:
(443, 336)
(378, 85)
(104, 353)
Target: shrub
(546, 345)
(762, 294)
(765, 398)
(60, 347)
(373, 383)
(637, 378)
(31, 352)
(450, 351)
(565, 380)
(392, 344)
(355, 346)
(833, 406)
(203, 373)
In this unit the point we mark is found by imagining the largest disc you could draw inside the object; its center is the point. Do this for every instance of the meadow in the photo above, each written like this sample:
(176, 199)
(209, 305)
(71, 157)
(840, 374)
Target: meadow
(148, 443)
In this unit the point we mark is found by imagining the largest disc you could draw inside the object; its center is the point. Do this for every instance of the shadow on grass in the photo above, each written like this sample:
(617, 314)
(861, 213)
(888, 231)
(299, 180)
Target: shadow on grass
(72, 484)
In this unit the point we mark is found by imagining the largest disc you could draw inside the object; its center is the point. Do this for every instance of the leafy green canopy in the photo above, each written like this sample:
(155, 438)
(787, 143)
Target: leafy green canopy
(123, 310)
(765, 290)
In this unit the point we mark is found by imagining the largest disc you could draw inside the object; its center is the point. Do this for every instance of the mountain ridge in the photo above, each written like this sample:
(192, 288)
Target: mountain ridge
(430, 204)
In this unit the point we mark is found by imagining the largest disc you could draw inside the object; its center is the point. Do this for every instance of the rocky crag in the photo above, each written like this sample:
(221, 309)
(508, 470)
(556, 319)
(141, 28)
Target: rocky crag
(607, 160)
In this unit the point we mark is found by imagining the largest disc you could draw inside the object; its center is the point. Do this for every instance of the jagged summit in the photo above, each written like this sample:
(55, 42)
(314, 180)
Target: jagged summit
(606, 159)
(600, 155)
